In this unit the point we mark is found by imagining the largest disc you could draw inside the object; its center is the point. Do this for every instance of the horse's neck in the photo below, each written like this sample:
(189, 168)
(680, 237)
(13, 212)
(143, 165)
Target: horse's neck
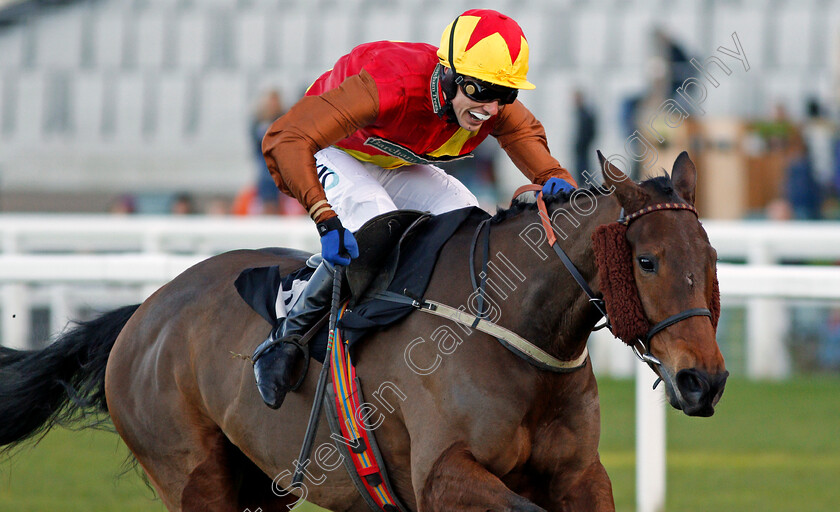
(552, 309)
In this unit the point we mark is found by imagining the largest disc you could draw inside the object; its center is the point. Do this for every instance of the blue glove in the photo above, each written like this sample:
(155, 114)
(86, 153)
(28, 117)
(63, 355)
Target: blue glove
(338, 246)
(555, 185)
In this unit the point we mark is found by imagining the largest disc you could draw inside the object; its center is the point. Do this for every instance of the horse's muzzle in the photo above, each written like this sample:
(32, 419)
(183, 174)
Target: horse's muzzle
(699, 392)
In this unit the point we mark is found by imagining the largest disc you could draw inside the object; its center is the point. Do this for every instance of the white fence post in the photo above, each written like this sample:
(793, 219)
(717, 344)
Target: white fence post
(14, 303)
(61, 311)
(650, 442)
(610, 356)
(766, 325)
(767, 355)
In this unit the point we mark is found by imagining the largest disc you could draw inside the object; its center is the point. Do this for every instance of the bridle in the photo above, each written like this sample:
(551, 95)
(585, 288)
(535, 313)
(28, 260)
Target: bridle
(512, 341)
(641, 346)
(644, 354)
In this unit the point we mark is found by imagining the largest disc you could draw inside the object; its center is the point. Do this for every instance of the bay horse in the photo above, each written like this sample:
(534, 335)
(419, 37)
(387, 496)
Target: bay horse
(464, 424)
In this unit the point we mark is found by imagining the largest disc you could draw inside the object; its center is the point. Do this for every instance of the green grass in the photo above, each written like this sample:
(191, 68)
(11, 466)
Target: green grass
(73, 471)
(770, 447)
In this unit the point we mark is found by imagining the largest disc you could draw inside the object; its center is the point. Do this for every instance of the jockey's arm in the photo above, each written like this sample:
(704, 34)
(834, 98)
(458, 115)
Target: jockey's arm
(314, 123)
(523, 139)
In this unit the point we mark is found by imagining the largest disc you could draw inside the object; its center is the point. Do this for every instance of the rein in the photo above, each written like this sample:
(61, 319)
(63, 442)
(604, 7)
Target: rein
(523, 348)
(641, 346)
(510, 340)
(567, 262)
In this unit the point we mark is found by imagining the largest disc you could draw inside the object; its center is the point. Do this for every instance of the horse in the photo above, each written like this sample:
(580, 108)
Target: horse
(463, 423)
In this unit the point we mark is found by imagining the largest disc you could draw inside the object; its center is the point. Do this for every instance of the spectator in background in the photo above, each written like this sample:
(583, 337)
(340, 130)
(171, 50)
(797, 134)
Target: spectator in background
(123, 204)
(828, 350)
(778, 210)
(182, 204)
(666, 70)
(246, 202)
(819, 133)
(677, 61)
(289, 206)
(801, 188)
(217, 206)
(268, 108)
(585, 128)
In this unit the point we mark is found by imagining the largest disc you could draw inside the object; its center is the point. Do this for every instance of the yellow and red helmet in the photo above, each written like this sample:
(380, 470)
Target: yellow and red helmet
(486, 45)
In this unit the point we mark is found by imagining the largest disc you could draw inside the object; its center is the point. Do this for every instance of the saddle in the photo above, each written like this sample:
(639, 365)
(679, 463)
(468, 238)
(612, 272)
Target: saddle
(398, 252)
(379, 241)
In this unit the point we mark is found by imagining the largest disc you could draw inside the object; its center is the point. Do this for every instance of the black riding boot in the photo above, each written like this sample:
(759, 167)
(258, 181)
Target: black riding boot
(275, 358)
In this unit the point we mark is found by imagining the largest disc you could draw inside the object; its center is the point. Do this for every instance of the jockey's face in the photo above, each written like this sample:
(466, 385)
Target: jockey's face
(471, 114)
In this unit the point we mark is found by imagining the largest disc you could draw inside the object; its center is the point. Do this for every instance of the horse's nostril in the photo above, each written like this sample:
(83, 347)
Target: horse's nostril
(721, 379)
(696, 393)
(717, 387)
(692, 384)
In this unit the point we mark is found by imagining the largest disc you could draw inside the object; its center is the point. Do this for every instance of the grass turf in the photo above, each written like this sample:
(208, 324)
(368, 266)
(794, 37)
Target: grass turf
(769, 447)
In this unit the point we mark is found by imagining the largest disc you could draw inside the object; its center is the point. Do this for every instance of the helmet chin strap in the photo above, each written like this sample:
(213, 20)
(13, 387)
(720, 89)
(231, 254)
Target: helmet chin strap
(447, 78)
(452, 47)
(444, 85)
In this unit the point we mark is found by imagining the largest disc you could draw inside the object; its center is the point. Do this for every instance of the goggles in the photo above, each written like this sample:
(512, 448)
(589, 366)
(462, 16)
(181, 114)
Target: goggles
(484, 92)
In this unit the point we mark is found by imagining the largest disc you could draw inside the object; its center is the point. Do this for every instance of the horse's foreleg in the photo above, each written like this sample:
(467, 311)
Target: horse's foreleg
(458, 482)
(591, 492)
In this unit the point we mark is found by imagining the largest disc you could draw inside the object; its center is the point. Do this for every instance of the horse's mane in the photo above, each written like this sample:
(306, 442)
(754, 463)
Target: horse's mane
(659, 185)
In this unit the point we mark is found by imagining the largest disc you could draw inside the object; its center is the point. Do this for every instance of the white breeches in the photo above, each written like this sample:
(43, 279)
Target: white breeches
(359, 191)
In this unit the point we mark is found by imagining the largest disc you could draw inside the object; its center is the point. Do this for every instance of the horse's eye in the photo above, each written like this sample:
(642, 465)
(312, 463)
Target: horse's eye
(647, 263)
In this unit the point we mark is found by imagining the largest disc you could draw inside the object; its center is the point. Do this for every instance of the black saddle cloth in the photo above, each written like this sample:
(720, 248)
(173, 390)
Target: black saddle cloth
(416, 256)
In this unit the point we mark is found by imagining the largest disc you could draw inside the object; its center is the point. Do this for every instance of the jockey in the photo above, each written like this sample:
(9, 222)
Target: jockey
(365, 138)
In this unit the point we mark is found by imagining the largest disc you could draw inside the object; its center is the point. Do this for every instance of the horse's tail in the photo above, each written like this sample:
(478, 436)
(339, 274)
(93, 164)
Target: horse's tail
(60, 384)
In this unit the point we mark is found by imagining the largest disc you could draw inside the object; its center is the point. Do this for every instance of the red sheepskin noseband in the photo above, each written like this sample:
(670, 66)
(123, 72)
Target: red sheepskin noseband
(614, 258)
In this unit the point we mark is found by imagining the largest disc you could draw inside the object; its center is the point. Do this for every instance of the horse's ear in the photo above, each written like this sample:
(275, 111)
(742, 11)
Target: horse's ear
(684, 177)
(629, 195)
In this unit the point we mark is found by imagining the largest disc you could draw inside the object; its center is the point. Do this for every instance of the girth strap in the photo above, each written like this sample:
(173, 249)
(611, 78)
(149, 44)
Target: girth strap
(481, 286)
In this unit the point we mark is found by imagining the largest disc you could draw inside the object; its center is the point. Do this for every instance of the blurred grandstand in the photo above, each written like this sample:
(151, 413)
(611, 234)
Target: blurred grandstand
(122, 106)
(100, 97)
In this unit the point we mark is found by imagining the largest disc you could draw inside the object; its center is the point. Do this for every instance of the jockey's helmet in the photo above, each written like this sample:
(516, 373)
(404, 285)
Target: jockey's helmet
(486, 45)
